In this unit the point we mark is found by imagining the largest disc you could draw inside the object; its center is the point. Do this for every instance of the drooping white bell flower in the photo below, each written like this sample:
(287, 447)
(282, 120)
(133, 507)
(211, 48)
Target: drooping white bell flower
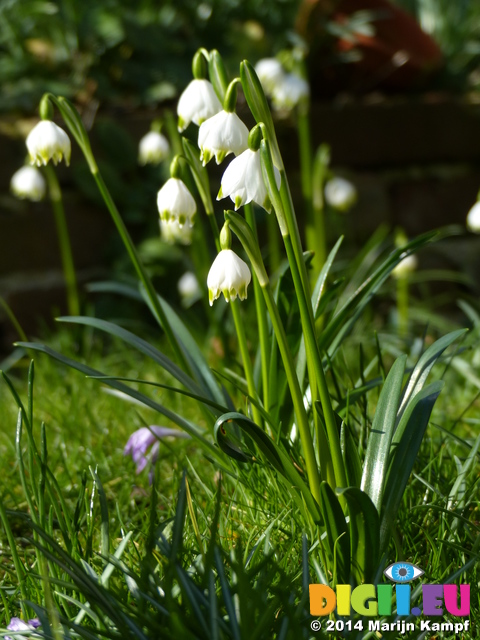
(221, 135)
(229, 275)
(172, 233)
(340, 193)
(270, 73)
(28, 183)
(153, 148)
(197, 103)
(473, 218)
(289, 90)
(175, 202)
(405, 267)
(243, 181)
(47, 141)
(188, 288)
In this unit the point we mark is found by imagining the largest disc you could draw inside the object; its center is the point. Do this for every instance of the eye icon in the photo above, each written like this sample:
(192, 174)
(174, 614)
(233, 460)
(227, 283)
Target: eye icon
(403, 572)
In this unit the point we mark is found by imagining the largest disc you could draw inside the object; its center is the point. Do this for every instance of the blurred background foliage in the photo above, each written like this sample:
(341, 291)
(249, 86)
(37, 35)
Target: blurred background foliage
(390, 114)
(136, 52)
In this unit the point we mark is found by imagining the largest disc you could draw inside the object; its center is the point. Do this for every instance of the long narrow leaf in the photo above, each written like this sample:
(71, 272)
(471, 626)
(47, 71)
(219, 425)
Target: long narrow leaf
(379, 441)
(364, 525)
(184, 424)
(423, 367)
(412, 425)
(272, 452)
(338, 537)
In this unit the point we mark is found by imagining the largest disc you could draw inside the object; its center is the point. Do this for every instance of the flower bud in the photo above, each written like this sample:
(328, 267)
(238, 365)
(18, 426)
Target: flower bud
(229, 275)
(405, 267)
(176, 203)
(28, 183)
(153, 148)
(47, 141)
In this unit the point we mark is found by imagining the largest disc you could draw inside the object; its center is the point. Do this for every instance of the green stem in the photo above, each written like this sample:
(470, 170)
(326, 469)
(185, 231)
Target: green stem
(287, 221)
(306, 171)
(245, 235)
(319, 175)
(247, 363)
(315, 376)
(314, 360)
(402, 305)
(55, 195)
(274, 253)
(140, 269)
(297, 397)
(262, 321)
(75, 125)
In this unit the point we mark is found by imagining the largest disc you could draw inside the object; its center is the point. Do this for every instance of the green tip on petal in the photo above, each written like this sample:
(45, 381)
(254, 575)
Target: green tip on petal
(220, 157)
(220, 194)
(238, 202)
(205, 156)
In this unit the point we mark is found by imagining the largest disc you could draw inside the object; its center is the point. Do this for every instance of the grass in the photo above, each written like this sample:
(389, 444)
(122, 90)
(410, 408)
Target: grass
(242, 561)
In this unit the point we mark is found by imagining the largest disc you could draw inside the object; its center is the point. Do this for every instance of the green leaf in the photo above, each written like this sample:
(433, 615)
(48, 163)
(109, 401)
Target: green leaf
(380, 438)
(218, 407)
(258, 104)
(423, 367)
(138, 343)
(352, 462)
(338, 537)
(344, 318)
(317, 295)
(199, 172)
(412, 427)
(456, 497)
(183, 423)
(194, 354)
(364, 525)
(217, 74)
(272, 452)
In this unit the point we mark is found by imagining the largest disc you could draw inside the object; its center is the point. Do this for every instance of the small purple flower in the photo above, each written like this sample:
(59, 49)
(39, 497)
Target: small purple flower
(143, 438)
(16, 624)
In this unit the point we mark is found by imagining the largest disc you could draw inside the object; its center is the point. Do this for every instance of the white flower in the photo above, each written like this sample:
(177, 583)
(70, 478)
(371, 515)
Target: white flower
(340, 194)
(289, 90)
(197, 103)
(473, 218)
(188, 288)
(270, 73)
(153, 148)
(405, 267)
(46, 141)
(220, 135)
(243, 181)
(172, 232)
(229, 275)
(175, 202)
(28, 183)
